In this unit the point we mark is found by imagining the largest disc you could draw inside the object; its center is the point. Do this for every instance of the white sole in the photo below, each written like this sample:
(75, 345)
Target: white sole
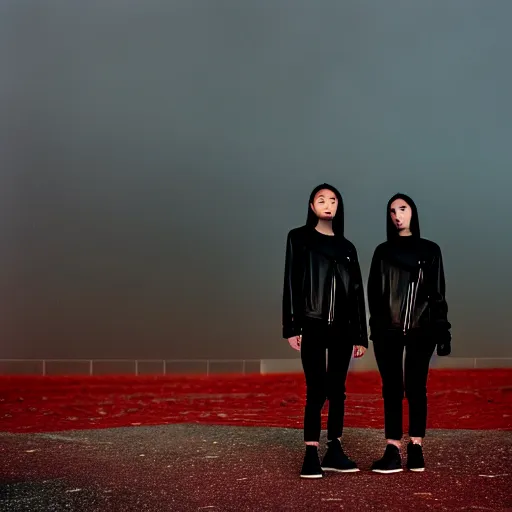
(417, 470)
(311, 476)
(386, 471)
(355, 470)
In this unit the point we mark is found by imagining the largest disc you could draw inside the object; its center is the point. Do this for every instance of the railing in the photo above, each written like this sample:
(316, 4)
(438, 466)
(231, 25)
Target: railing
(209, 366)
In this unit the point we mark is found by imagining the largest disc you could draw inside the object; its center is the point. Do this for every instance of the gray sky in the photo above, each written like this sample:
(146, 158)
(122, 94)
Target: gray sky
(154, 155)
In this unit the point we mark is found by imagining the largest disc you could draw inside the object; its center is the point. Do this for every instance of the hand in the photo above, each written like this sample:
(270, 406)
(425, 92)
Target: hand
(359, 351)
(295, 342)
(444, 348)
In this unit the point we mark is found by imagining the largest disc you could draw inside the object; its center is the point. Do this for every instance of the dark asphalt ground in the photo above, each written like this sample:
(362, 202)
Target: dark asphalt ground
(220, 468)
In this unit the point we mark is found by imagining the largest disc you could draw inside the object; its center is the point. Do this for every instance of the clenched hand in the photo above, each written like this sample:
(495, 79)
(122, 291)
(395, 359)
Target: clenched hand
(359, 351)
(295, 342)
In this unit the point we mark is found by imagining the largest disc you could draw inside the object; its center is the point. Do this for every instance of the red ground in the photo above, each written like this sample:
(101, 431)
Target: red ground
(461, 399)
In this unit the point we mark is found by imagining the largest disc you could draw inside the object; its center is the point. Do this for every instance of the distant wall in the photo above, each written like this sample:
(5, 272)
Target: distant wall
(153, 156)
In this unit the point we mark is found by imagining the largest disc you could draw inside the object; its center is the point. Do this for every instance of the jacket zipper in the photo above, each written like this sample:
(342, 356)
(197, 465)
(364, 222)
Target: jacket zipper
(412, 293)
(332, 298)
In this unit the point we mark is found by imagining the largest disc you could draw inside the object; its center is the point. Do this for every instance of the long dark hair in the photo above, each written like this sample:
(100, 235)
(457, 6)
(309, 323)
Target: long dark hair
(391, 229)
(338, 222)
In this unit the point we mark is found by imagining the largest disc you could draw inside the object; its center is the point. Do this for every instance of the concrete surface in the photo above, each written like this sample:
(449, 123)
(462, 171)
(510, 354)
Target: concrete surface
(216, 468)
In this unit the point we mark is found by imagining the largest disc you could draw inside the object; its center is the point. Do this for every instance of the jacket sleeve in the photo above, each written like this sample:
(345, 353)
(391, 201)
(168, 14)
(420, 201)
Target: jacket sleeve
(361, 332)
(375, 293)
(437, 301)
(290, 321)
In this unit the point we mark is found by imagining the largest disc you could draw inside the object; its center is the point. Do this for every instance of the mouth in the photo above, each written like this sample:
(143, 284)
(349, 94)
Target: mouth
(327, 213)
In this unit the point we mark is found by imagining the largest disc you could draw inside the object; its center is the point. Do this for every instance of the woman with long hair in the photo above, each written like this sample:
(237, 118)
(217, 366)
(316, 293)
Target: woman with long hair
(408, 313)
(324, 317)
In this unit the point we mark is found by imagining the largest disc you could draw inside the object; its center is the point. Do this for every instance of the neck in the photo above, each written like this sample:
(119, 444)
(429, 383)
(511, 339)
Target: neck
(324, 227)
(405, 232)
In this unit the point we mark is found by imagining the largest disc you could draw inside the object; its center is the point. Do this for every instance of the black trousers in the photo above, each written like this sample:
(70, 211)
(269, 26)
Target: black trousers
(399, 376)
(325, 356)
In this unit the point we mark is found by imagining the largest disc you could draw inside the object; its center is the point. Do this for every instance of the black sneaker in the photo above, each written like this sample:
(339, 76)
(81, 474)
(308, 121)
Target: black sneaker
(311, 467)
(415, 460)
(336, 460)
(391, 462)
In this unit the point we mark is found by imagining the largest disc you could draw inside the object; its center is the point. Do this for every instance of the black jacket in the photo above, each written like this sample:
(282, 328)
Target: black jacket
(406, 288)
(318, 285)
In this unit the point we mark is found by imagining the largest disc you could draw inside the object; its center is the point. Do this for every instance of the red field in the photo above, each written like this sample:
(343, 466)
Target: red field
(458, 399)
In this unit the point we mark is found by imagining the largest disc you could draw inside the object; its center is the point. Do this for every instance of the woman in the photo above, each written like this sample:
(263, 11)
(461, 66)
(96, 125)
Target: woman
(408, 311)
(324, 311)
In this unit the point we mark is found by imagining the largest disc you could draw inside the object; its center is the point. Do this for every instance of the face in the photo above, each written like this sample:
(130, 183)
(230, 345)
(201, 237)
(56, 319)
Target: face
(325, 204)
(401, 214)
